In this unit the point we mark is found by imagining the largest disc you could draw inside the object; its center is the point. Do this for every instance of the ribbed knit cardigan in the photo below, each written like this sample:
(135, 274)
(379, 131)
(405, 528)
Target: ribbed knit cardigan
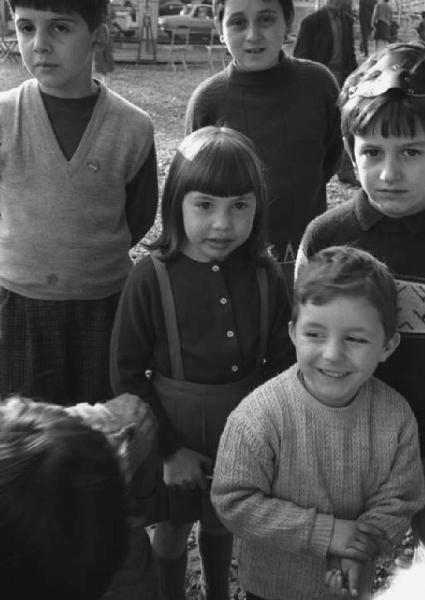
(287, 466)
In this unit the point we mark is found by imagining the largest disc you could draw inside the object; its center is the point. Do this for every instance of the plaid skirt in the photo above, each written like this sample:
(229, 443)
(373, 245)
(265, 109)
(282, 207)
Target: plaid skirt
(55, 351)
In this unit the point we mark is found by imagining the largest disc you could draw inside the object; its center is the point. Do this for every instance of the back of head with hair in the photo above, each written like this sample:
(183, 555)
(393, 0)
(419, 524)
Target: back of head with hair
(387, 90)
(94, 12)
(346, 271)
(62, 505)
(218, 161)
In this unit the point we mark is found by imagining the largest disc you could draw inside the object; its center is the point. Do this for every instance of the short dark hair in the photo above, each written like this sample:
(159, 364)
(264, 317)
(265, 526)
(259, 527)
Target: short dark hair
(347, 271)
(94, 12)
(397, 113)
(218, 161)
(287, 9)
(63, 530)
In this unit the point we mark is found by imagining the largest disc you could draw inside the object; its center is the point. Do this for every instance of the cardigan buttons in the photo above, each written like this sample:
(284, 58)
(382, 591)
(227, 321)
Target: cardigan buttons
(235, 368)
(230, 333)
(215, 268)
(223, 301)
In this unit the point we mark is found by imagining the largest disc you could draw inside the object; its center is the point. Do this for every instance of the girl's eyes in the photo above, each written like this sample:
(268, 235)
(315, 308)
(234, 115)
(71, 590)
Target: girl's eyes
(412, 152)
(204, 205)
(61, 27)
(241, 205)
(25, 28)
(371, 152)
(375, 152)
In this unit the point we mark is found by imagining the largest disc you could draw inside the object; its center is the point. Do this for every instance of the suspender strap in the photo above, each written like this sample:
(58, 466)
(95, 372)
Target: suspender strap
(169, 310)
(263, 286)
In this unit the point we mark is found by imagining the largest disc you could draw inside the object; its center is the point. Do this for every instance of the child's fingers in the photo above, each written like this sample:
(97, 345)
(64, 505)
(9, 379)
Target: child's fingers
(353, 584)
(370, 529)
(364, 545)
(357, 553)
(352, 577)
(383, 544)
(335, 581)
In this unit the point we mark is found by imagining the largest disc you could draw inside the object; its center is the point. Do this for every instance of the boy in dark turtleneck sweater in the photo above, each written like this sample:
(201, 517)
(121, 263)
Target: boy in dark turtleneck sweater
(285, 105)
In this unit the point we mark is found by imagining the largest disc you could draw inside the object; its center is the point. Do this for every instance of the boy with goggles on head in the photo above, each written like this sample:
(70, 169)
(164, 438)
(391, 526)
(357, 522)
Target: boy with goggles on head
(383, 125)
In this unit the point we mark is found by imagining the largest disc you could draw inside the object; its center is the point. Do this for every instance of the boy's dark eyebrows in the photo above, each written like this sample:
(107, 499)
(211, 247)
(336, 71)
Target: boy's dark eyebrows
(59, 17)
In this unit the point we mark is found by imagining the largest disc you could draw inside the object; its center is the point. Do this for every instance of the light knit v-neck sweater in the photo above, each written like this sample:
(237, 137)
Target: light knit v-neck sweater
(63, 231)
(287, 466)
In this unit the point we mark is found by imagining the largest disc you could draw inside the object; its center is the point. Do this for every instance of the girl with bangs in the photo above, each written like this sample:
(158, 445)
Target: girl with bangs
(201, 322)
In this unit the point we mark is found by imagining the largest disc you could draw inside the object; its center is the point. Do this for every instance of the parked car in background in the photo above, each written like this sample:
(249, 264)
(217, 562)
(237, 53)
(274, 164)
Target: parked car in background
(170, 7)
(197, 17)
(124, 18)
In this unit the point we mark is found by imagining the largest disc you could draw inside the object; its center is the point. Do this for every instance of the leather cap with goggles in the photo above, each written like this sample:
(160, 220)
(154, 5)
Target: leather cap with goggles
(400, 70)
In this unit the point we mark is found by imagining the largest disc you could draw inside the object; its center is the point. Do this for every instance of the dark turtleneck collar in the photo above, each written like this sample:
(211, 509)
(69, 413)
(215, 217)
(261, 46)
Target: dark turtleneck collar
(258, 78)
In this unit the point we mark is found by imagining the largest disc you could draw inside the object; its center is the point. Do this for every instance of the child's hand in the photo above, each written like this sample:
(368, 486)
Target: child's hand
(348, 541)
(352, 572)
(186, 469)
(343, 576)
(382, 542)
(334, 577)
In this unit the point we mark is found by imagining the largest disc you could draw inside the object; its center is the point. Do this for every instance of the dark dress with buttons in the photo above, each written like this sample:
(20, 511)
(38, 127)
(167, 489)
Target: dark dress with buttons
(218, 331)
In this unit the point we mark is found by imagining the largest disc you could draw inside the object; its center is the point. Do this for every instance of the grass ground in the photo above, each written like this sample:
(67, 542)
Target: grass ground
(164, 95)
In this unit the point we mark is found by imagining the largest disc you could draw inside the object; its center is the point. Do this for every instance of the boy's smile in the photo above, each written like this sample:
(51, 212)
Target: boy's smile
(57, 49)
(253, 31)
(392, 171)
(339, 345)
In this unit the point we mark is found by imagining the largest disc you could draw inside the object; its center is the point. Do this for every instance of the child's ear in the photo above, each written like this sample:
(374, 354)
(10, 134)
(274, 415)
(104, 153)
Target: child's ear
(390, 346)
(101, 36)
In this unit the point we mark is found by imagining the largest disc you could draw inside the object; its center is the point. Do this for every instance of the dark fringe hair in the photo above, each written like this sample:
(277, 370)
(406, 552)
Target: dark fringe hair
(94, 12)
(218, 161)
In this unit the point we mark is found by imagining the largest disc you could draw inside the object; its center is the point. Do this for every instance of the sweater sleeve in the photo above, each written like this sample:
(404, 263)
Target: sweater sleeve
(243, 496)
(142, 198)
(132, 344)
(398, 498)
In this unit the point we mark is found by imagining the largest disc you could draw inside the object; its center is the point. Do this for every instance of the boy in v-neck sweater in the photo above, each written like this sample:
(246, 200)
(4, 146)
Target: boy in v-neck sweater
(78, 188)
